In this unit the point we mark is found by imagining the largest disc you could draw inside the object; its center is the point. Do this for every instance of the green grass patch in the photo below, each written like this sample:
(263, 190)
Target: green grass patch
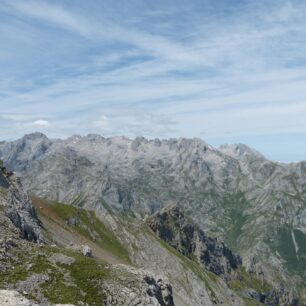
(87, 275)
(23, 266)
(284, 245)
(246, 280)
(3, 191)
(14, 275)
(234, 205)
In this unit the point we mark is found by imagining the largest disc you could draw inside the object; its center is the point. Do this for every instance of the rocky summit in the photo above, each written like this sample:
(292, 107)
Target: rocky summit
(165, 222)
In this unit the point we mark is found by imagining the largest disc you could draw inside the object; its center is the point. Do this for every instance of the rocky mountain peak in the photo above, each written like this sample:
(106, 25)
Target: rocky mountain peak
(30, 147)
(35, 136)
(240, 151)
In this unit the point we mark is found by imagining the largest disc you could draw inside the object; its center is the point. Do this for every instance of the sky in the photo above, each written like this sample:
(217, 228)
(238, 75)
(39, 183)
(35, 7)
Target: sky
(226, 71)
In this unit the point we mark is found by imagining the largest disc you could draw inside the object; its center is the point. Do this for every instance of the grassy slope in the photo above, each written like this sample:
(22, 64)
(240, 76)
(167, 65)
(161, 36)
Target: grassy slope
(88, 226)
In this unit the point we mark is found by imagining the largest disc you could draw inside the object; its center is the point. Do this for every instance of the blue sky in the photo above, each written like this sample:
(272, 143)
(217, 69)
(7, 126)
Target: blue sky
(225, 71)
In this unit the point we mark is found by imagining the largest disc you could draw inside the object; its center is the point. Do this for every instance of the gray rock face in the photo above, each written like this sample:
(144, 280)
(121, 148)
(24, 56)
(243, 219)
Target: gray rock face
(171, 225)
(30, 148)
(255, 205)
(18, 207)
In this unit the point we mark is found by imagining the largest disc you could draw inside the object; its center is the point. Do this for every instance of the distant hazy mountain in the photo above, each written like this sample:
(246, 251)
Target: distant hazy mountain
(257, 206)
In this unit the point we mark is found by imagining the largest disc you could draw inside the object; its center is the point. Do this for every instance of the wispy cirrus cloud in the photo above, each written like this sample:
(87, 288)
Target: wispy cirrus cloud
(209, 68)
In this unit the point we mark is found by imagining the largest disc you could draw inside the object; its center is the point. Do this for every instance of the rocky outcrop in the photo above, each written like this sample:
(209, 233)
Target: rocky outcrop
(130, 286)
(171, 226)
(17, 206)
(273, 297)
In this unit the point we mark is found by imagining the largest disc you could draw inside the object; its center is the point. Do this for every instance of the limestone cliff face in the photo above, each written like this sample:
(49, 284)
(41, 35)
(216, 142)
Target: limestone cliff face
(16, 205)
(171, 225)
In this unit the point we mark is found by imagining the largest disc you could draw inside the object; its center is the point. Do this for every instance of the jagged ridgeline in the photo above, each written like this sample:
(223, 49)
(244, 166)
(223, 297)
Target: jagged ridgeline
(235, 237)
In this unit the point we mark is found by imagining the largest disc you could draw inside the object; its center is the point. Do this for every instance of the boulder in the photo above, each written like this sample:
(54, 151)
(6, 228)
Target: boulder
(13, 298)
(86, 251)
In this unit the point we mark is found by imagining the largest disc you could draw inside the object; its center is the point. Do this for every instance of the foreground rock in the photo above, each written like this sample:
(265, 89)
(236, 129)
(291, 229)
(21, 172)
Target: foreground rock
(13, 298)
(130, 286)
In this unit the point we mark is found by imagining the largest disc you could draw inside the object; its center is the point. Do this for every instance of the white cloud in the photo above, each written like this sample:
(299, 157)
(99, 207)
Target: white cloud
(48, 12)
(104, 30)
(41, 123)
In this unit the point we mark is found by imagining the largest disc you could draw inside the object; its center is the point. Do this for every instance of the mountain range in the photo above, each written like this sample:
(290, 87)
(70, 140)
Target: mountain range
(222, 226)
